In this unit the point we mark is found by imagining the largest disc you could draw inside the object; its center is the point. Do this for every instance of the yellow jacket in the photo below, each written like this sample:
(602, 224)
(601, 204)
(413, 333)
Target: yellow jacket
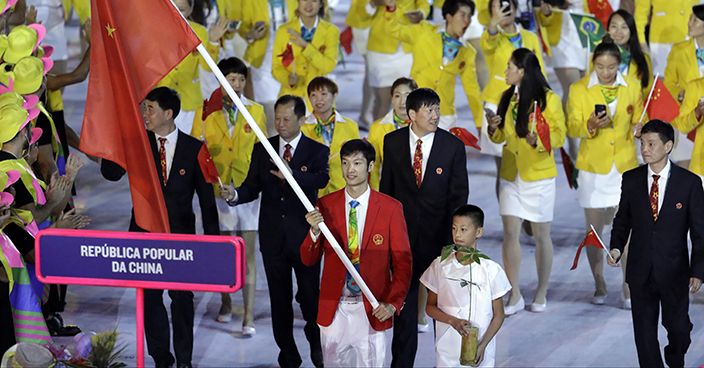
(687, 121)
(377, 132)
(345, 130)
(318, 59)
(607, 146)
(519, 157)
(682, 67)
(668, 23)
(185, 77)
(231, 153)
(497, 51)
(380, 38)
(357, 16)
(428, 69)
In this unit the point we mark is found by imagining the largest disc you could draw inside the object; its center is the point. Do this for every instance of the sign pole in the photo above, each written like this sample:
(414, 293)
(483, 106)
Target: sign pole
(140, 327)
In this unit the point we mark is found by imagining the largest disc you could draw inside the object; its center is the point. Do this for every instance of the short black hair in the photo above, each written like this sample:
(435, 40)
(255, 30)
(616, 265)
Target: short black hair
(233, 65)
(358, 145)
(450, 7)
(473, 212)
(665, 131)
(166, 98)
(403, 81)
(299, 106)
(319, 83)
(698, 11)
(421, 97)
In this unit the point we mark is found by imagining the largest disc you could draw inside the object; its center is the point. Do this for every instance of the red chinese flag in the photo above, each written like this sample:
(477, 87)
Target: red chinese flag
(207, 166)
(286, 56)
(662, 105)
(346, 40)
(570, 171)
(543, 129)
(135, 43)
(590, 239)
(469, 139)
(601, 9)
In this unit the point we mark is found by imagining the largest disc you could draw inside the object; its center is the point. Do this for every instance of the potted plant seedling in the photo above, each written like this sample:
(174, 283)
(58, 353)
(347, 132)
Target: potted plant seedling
(470, 341)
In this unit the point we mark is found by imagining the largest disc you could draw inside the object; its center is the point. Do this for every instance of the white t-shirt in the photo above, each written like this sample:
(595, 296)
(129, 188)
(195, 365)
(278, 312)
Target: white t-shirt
(444, 279)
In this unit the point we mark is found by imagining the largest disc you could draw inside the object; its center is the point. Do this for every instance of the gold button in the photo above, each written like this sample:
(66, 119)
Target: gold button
(681, 12)
(612, 143)
(442, 67)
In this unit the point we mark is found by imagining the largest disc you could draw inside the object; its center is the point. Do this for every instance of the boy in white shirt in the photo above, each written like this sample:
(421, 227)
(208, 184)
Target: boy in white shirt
(450, 279)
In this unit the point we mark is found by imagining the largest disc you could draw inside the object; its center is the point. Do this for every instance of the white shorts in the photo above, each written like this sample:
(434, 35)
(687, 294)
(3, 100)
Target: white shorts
(488, 147)
(599, 190)
(682, 150)
(350, 341)
(384, 69)
(658, 55)
(360, 37)
(533, 201)
(243, 217)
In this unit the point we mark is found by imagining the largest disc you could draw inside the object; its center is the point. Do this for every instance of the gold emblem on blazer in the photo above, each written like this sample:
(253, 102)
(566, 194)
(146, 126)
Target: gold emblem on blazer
(438, 171)
(182, 172)
(378, 239)
(678, 206)
(247, 128)
(304, 168)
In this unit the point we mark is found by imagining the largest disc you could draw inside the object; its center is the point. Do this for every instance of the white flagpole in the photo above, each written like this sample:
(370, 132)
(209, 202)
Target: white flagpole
(602, 243)
(638, 126)
(287, 175)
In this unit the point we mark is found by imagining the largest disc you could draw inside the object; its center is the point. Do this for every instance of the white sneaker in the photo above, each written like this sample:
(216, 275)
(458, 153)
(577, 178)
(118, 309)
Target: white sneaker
(627, 304)
(423, 327)
(248, 331)
(599, 299)
(510, 310)
(538, 308)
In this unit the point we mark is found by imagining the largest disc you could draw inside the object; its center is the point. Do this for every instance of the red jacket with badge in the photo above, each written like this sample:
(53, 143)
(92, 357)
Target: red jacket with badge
(385, 255)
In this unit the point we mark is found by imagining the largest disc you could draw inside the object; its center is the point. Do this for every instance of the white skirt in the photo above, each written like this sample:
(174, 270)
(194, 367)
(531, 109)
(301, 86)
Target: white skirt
(360, 37)
(682, 150)
(599, 190)
(569, 53)
(533, 201)
(384, 69)
(266, 88)
(488, 147)
(658, 56)
(243, 217)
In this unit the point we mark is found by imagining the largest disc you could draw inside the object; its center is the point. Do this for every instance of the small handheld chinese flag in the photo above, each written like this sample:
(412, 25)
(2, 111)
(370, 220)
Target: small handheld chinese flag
(601, 9)
(346, 40)
(592, 238)
(662, 105)
(469, 139)
(286, 56)
(207, 166)
(543, 129)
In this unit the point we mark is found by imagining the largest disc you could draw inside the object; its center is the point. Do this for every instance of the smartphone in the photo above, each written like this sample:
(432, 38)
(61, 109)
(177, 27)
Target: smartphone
(233, 26)
(599, 110)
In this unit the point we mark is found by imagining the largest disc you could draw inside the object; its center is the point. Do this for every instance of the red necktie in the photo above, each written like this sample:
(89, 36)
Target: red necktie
(162, 159)
(287, 153)
(654, 195)
(418, 163)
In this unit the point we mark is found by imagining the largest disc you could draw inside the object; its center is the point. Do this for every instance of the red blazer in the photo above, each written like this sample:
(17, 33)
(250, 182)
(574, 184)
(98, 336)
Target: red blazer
(385, 257)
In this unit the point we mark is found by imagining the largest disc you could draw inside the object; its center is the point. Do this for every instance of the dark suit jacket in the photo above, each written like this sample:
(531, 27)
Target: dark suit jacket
(428, 209)
(185, 179)
(282, 215)
(660, 247)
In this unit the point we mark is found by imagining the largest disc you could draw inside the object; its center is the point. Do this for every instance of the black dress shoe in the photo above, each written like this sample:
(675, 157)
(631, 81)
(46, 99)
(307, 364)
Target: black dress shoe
(56, 327)
(164, 363)
(184, 365)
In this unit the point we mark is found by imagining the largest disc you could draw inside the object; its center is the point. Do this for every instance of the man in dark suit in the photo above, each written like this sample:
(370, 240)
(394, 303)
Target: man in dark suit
(425, 168)
(283, 225)
(176, 158)
(660, 204)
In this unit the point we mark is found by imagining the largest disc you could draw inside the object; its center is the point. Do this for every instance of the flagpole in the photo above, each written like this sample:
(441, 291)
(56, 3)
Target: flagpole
(287, 175)
(602, 243)
(647, 102)
(535, 117)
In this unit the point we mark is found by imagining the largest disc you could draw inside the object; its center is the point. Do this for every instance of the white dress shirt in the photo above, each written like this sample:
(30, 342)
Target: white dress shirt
(293, 143)
(425, 147)
(662, 182)
(170, 148)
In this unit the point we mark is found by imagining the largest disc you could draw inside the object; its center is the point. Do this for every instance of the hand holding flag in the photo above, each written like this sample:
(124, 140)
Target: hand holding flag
(592, 238)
